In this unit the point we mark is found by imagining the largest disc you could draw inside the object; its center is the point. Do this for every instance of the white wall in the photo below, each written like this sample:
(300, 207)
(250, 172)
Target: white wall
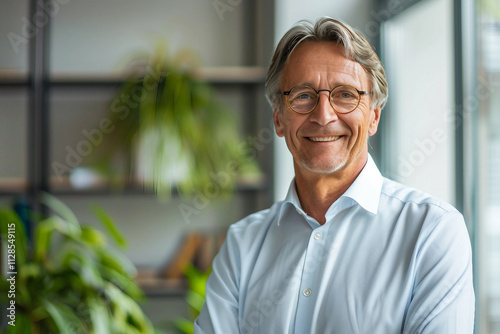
(101, 35)
(14, 52)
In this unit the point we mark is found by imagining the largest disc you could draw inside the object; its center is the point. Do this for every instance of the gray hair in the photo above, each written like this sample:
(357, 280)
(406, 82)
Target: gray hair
(327, 29)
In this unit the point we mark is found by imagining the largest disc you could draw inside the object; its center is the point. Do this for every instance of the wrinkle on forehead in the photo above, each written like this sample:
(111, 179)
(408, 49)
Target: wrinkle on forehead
(316, 69)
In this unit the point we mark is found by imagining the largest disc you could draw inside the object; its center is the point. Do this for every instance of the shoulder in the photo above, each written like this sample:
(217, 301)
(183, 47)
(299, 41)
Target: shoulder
(256, 223)
(398, 194)
(437, 225)
(420, 211)
(244, 239)
(258, 220)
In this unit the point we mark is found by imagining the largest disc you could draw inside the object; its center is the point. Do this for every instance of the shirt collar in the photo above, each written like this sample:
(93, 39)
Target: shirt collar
(291, 200)
(365, 190)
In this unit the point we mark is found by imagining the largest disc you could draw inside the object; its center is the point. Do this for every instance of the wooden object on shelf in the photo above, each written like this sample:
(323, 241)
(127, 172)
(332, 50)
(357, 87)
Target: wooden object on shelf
(184, 255)
(197, 249)
(206, 253)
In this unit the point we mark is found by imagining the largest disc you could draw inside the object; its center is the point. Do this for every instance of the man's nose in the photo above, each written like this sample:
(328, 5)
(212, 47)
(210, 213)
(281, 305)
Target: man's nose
(323, 113)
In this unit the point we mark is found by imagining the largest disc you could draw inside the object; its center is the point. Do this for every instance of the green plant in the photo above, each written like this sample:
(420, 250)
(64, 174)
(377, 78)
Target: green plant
(70, 281)
(195, 297)
(175, 130)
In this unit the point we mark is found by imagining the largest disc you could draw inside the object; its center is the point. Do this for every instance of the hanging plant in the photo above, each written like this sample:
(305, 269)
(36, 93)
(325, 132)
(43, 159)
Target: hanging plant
(175, 131)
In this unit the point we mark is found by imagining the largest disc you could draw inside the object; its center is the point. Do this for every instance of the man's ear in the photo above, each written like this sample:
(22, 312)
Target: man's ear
(278, 123)
(375, 119)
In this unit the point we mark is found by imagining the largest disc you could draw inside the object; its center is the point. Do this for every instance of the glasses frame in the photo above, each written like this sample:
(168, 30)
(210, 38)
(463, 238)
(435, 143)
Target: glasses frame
(360, 92)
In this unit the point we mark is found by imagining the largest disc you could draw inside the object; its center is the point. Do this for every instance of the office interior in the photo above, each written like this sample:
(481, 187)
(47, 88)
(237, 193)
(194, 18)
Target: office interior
(64, 62)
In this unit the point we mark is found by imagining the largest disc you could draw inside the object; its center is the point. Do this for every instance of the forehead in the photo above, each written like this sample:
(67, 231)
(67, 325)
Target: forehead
(322, 63)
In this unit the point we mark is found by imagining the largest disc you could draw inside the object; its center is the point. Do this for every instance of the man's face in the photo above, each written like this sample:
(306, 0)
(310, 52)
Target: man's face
(324, 141)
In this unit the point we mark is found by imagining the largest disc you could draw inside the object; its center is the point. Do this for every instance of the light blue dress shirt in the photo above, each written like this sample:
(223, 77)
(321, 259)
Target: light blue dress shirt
(389, 259)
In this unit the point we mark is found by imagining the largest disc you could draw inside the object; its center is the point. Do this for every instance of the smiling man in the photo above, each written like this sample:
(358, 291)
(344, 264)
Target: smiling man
(347, 250)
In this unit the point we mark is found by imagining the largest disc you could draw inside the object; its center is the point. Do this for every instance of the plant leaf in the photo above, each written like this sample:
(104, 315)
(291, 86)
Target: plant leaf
(99, 316)
(110, 225)
(115, 260)
(8, 217)
(195, 301)
(23, 325)
(61, 209)
(184, 325)
(125, 307)
(43, 235)
(93, 237)
(64, 317)
(122, 281)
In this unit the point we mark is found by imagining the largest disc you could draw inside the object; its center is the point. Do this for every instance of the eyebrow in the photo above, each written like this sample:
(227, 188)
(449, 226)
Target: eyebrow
(335, 85)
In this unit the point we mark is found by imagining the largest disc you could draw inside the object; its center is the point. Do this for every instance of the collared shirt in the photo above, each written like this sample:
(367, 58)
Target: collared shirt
(389, 259)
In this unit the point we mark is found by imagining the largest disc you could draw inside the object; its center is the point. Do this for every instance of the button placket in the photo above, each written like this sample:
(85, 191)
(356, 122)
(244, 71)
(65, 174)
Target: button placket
(311, 261)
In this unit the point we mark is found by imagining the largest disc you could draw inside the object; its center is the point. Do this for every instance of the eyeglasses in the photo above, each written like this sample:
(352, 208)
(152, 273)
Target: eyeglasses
(343, 98)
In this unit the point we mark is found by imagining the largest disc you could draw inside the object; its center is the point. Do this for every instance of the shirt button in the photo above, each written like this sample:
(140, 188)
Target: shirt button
(307, 292)
(317, 235)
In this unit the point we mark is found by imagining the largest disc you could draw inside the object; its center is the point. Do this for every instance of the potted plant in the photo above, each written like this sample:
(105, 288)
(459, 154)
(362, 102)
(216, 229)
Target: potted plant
(71, 280)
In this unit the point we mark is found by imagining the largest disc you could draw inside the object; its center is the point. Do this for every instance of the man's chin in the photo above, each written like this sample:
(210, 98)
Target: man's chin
(324, 168)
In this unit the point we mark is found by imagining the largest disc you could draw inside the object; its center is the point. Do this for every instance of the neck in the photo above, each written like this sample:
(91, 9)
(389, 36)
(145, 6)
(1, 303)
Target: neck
(318, 191)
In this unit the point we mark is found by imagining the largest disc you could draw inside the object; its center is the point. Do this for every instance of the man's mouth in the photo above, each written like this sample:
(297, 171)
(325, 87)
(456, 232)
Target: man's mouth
(324, 138)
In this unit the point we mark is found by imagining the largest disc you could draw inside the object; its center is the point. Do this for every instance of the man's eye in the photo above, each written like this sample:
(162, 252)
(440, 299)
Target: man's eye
(346, 95)
(304, 96)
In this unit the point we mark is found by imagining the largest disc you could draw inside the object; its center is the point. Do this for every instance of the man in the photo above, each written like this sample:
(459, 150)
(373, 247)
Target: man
(347, 251)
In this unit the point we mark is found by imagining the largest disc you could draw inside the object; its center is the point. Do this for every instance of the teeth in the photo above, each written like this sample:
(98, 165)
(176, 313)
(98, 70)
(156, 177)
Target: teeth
(324, 138)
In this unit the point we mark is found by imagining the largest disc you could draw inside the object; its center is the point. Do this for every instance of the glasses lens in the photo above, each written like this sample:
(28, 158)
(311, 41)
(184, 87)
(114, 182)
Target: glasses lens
(302, 99)
(344, 99)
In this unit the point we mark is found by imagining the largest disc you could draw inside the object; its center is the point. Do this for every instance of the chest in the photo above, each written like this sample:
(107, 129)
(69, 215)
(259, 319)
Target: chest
(335, 279)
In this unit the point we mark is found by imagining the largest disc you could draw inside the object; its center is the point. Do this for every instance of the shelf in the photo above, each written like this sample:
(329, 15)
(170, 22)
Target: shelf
(13, 78)
(93, 184)
(154, 286)
(103, 187)
(79, 79)
(213, 75)
(13, 186)
(227, 75)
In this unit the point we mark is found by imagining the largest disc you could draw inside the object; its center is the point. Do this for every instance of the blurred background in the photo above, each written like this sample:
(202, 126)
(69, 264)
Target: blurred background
(64, 64)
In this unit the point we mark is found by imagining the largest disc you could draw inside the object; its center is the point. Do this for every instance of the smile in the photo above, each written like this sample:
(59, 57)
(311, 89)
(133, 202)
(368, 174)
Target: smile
(324, 138)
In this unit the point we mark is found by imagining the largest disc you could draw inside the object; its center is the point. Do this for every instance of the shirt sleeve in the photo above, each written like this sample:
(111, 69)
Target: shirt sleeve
(220, 311)
(443, 297)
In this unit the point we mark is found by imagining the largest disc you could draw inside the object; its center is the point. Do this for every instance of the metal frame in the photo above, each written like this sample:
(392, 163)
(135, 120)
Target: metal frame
(38, 127)
(466, 133)
(459, 99)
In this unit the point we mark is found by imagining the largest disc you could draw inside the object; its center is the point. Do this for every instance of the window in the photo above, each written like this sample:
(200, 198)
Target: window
(487, 134)
(460, 105)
